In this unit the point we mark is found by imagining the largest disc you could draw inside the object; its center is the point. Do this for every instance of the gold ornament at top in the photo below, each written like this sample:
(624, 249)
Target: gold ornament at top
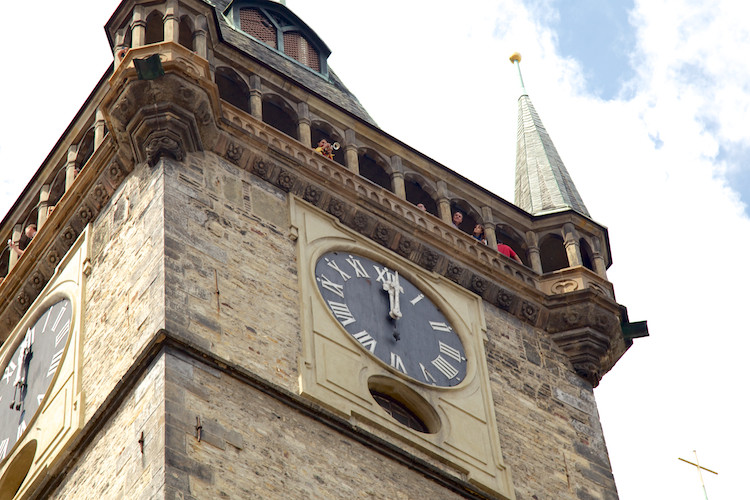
(515, 57)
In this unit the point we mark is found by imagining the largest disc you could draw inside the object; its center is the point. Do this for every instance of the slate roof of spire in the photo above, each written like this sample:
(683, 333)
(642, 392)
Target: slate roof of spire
(543, 184)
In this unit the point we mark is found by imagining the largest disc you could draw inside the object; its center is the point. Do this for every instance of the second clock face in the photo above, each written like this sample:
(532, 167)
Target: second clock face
(29, 371)
(391, 318)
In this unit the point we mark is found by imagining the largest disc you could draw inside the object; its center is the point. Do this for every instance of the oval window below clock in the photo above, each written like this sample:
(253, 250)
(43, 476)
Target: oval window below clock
(404, 405)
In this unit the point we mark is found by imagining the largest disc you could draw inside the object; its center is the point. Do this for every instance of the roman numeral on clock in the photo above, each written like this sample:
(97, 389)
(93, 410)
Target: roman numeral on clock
(450, 351)
(332, 264)
(416, 299)
(4, 448)
(62, 333)
(342, 312)
(59, 317)
(331, 286)
(427, 375)
(366, 340)
(55, 362)
(359, 270)
(21, 428)
(445, 367)
(397, 363)
(440, 326)
(9, 370)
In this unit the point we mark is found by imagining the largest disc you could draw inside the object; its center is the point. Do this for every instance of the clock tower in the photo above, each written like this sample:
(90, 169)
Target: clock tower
(211, 307)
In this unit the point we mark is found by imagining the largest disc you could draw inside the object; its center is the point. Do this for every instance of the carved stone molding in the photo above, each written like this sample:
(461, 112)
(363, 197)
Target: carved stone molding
(234, 153)
(504, 299)
(285, 180)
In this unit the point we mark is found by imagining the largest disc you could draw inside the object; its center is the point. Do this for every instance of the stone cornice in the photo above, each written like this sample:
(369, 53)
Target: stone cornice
(181, 113)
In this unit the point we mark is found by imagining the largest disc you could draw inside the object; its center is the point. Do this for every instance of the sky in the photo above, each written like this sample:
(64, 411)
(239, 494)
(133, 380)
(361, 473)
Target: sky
(647, 103)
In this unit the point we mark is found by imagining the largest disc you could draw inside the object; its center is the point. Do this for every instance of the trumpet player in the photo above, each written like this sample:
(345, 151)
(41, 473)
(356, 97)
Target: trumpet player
(325, 148)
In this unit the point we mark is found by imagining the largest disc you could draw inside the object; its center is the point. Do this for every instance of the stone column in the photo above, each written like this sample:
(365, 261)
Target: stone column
(99, 129)
(70, 167)
(351, 155)
(120, 47)
(534, 256)
(572, 246)
(200, 37)
(43, 211)
(397, 177)
(303, 124)
(138, 27)
(489, 227)
(16, 237)
(600, 265)
(172, 22)
(256, 97)
(444, 204)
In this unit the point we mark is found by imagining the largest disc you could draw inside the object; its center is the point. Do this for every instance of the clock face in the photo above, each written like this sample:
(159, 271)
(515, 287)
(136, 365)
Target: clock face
(29, 371)
(391, 318)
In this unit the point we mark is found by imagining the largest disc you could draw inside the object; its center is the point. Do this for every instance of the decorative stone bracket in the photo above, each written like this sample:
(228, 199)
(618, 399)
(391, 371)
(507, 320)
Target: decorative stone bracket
(172, 115)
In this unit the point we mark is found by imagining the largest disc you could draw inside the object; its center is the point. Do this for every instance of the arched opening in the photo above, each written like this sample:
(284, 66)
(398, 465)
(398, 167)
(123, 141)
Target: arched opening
(85, 149)
(186, 33)
(416, 193)
(128, 40)
(373, 167)
(508, 236)
(154, 28)
(233, 89)
(403, 404)
(470, 217)
(280, 115)
(322, 130)
(587, 256)
(553, 255)
(57, 186)
(17, 470)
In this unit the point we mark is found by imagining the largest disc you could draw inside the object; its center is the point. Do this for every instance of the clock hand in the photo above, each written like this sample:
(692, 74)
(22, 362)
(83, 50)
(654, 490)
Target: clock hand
(395, 312)
(24, 357)
(392, 289)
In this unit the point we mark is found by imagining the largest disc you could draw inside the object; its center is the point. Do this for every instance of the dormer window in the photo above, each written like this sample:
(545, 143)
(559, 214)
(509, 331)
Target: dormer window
(277, 27)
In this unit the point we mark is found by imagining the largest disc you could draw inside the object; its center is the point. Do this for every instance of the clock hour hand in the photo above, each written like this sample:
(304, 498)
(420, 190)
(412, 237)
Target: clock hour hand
(392, 286)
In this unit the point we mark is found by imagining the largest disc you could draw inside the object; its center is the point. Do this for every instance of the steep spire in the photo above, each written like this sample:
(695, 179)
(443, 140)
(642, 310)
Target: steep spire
(543, 184)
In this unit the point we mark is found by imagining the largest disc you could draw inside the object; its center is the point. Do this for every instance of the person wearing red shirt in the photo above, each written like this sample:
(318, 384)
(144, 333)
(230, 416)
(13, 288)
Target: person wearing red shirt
(508, 252)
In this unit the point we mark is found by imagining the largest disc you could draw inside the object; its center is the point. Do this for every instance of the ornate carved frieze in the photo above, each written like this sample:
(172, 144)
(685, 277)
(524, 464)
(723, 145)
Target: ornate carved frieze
(576, 333)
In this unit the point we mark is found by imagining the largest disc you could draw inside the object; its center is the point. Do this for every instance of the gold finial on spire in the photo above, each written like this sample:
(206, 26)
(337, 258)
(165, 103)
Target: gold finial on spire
(515, 59)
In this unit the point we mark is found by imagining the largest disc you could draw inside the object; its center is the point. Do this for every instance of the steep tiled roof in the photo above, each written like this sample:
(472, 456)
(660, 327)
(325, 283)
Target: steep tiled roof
(329, 86)
(543, 184)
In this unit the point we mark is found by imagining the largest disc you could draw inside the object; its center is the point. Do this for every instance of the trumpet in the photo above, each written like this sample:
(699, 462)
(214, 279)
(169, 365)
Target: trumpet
(336, 146)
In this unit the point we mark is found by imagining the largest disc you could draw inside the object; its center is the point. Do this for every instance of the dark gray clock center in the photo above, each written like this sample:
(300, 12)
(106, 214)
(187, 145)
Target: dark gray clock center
(391, 318)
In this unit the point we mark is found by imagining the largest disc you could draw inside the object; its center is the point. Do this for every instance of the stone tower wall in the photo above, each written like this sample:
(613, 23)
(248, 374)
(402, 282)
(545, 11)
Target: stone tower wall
(175, 234)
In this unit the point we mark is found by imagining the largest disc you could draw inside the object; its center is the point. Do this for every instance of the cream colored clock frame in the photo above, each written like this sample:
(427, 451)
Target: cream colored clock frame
(60, 416)
(338, 374)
